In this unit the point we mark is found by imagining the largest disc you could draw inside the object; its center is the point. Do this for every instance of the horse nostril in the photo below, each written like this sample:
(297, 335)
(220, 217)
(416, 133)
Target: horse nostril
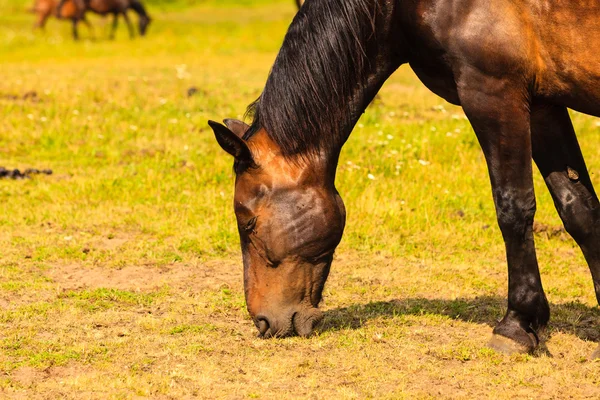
(262, 325)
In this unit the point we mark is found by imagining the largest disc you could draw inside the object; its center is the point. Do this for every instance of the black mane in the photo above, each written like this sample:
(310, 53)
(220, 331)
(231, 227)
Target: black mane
(322, 62)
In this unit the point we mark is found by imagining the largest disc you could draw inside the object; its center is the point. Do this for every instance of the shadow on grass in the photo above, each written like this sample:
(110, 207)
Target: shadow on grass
(573, 318)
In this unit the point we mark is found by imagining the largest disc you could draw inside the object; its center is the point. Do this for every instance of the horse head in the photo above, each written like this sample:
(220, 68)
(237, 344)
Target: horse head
(290, 220)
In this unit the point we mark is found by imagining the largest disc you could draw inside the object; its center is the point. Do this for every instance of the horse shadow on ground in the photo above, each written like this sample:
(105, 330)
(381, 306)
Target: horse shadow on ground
(573, 318)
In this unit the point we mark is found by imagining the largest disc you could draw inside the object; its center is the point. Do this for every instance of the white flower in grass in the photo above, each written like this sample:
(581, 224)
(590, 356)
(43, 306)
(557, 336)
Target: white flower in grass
(371, 177)
(182, 72)
(423, 162)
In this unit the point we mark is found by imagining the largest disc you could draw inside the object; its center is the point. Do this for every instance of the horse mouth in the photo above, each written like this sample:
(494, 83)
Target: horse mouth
(305, 324)
(300, 324)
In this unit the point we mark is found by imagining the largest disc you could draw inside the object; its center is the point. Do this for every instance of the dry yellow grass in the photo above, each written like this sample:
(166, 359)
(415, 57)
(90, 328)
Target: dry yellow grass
(120, 276)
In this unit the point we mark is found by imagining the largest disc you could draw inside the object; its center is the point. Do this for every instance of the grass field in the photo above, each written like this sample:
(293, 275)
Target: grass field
(120, 274)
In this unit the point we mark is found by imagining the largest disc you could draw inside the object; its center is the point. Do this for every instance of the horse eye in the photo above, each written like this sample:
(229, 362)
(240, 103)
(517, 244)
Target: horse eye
(251, 224)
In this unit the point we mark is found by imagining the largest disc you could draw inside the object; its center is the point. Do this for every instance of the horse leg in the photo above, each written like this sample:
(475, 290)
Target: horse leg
(114, 26)
(42, 18)
(89, 26)
(498, 111)
(558, 156)
(75, 33)
(129, 25)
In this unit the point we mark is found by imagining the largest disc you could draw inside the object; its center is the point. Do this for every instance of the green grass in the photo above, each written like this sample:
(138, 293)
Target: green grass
(120, 274)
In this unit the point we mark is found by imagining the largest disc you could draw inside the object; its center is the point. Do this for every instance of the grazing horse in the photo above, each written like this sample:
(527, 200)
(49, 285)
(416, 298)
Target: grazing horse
(114, 7)
(514, 66)
(45, 8)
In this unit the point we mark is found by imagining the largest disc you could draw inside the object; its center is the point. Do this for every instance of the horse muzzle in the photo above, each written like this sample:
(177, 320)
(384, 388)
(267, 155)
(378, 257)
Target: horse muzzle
(299, 322)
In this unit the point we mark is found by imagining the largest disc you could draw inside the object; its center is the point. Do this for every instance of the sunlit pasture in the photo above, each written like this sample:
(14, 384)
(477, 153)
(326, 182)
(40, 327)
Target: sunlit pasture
(120, 273)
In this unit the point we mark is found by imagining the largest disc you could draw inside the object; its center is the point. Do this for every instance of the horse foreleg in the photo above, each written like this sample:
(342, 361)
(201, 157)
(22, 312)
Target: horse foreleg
(89, 26)
(42, 19)
(129, 25)
(498, 110)
(559, 159)
(114, 25)
(75, 33)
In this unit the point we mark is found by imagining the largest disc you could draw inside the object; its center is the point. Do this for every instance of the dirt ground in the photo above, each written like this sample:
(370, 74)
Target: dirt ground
(385, 335)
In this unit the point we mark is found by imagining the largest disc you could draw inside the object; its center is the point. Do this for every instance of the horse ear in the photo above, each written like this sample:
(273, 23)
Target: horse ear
(230, 142)
(236, 126)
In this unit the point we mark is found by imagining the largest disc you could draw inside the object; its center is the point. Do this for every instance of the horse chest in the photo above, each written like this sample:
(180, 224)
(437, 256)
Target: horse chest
(438, 78)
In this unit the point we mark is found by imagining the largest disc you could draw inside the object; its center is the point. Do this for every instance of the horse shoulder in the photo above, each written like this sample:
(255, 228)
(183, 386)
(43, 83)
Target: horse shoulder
(497, 38)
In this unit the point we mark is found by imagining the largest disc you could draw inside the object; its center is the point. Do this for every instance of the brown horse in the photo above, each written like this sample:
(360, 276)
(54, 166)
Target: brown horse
(515, 66)
(45, 8)
(105, 7)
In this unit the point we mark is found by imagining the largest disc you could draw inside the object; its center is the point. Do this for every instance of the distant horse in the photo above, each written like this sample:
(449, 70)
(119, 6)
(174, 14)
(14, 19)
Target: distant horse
(515, 66)
(45, 8)
(114, 7)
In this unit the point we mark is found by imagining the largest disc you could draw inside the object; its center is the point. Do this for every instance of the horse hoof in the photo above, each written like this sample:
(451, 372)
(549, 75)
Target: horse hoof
(502, 344)
(596, 354)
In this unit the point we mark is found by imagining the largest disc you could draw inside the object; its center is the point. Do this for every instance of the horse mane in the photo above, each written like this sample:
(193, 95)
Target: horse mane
(139, 9)
(322, 62)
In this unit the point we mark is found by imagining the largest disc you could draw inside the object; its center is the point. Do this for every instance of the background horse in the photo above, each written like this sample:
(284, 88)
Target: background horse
(514, 67)
(45, 8)
(114, 7)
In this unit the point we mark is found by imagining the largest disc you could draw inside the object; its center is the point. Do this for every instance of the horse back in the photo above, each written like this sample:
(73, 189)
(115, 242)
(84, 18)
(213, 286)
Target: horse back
(108, 6)
(551, 46)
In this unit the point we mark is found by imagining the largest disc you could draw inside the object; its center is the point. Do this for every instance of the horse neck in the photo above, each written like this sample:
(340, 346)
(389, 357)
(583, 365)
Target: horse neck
(326, 74)
(139, 9)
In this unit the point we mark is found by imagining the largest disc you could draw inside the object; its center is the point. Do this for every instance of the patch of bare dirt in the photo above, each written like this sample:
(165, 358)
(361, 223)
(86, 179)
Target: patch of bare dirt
(209, 275)
(550, 231)
(28, 376)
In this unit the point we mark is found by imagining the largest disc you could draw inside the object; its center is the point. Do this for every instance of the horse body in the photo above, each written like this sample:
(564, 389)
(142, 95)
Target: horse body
(45, 8)
(106, 7)
(514, 67)
(510, 37)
